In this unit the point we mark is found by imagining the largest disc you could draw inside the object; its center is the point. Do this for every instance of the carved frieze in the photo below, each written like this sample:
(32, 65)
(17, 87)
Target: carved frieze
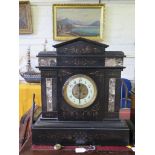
(64, 73)
(82, 49)
(96, 73)
(52, 73)
(80, 114)
(79, 61)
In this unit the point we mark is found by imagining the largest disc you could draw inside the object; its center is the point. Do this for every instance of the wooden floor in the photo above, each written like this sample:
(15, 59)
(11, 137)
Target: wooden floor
(27, 151)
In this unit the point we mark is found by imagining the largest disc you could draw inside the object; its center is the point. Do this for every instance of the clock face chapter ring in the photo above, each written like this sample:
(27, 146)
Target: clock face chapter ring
(79, 91)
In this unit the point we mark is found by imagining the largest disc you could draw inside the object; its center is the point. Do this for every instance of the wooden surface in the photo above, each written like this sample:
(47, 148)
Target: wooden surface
(27, 151)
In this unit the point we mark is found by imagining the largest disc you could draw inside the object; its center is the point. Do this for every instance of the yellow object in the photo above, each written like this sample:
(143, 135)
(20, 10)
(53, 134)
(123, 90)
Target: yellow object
(132, 101)
(129, 146)
(26, 91)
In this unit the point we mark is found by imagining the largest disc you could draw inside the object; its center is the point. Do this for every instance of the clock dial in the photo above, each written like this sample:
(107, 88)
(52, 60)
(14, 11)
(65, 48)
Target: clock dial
(80, 91)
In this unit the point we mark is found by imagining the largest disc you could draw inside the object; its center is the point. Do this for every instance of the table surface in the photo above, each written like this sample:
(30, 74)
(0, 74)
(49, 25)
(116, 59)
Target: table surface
(28, 151)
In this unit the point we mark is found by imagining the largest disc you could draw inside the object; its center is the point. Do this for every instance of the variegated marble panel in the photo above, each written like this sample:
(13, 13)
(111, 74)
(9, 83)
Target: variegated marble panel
(49, 94)
(113, 62)
(43, 61)
(111, 104)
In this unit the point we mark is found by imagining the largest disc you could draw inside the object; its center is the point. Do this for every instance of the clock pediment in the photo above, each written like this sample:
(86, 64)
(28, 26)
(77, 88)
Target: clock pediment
(80, 46)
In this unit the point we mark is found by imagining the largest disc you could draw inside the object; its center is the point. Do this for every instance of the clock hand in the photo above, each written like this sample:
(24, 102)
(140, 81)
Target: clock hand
(79, 92)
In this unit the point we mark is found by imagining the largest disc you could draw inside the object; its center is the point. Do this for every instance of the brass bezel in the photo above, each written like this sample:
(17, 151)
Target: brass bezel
(84, 6)
(64, 91)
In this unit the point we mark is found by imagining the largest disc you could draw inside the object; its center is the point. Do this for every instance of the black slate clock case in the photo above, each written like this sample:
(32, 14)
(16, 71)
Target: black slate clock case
(97, 124)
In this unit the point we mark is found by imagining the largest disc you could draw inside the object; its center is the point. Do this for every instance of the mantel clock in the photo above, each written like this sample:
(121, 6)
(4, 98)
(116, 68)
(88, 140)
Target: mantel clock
(80, 87)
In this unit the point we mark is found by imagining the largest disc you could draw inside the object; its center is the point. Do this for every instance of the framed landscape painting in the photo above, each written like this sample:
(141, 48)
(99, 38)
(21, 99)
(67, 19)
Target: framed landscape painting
(25, 18)
(78, 20)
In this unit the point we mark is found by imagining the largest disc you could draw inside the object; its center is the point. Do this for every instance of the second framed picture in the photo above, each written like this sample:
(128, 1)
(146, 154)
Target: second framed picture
(78, 20)
(25, 18)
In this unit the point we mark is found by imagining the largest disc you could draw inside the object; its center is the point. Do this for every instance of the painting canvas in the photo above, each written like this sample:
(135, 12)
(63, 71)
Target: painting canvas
(25, 19)
(72, 21)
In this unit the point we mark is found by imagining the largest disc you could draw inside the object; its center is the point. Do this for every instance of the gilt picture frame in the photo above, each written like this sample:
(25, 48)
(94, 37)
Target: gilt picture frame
(25, 18)
(78, 20)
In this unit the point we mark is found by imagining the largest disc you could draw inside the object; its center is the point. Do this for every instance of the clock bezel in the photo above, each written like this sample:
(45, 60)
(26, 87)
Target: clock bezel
(68, 101)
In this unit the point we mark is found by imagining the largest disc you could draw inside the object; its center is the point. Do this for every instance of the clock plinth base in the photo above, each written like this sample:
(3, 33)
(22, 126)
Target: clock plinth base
(51, 132)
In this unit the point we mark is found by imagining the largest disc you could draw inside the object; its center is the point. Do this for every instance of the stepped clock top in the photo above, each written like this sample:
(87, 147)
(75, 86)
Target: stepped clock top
(81, 52)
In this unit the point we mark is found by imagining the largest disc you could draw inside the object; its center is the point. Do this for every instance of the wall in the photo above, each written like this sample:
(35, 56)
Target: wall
(118, 33)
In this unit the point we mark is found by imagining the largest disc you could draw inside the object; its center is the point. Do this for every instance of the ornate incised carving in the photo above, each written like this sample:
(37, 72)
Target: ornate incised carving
(49, 74)
(64, 73)
(81, 49)
(79, 61)
(96, 73)
(80, 115)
